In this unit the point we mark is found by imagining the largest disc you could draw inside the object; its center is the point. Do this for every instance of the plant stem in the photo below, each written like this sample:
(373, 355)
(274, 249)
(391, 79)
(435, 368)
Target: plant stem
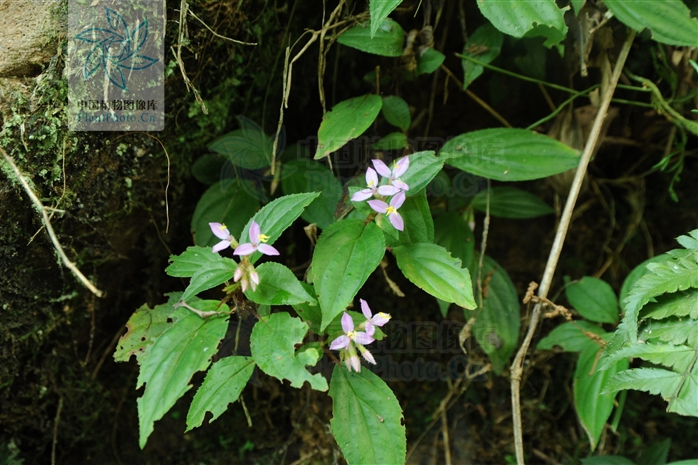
(517, 365)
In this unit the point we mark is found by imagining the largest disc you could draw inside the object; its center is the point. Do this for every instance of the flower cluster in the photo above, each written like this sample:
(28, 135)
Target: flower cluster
(394, 186)
(245, 272)
(352, 339)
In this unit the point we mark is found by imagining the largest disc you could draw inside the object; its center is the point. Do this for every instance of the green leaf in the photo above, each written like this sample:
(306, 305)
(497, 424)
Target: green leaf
(143, 328)
(593, 407)
(397, 112)
(510, 202)
(432, 268)
(657, 454)
(577, 5)
(248, 147)
(380, 9)
(669, 20)
(484, 45)
(366, 419)
(311, 314)
(276, 216)
(607, 460)
(527, 18)
(347, 120)
(634, 275)
(278, 286)
(594, 299)
(497, 326)
(182, 350)
(273, 343)
(673, 330)
(310, 176)
(419, 226)
(452, 232)
(429, 61)
(207, 168)
(424, 167)
(346, 254)
(507, 154)
(387, 40)
(393, 141)
(205, 268)
(678, 304)
(570, 336)
(231, 206)
(223, 384)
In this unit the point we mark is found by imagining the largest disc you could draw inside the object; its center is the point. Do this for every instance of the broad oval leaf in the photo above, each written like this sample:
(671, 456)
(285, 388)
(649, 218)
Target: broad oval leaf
(433, 269)
(419, 225)
(496, 328)
(144, 327)
(248, 147)
(527, 18)
(669, 20)
(424, 167)
(484, 45)
(207, 168)
(380, 9)
(397, 112)
(231, 206)
(206, 269)
(310, 176)
(593, 407)
(430, 61)
(510, 202)
(276, 216)
(347, 120)
(570, 336)
(594, 299)
(507, 154)
(278, 286)
(607, 460)
(182, 350)
(223, 384)
(386, 41)
(346, 254)
(311, 314)
(273, 342)
(452, 232)
(366, 419)
(393, 141)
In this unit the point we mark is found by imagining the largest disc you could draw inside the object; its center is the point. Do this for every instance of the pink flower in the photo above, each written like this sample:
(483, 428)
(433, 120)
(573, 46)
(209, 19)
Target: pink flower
(371, 186)
(391, 210)
(257, 244)
(379, 319)
(221, 232)
(399, 168)
(349, 341)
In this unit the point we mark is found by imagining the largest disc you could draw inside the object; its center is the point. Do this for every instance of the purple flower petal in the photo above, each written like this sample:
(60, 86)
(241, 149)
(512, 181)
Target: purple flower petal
(254, 277)
(388, 190)
(396, 221)
(254, 232)
(370, 329)
(220, 246)
(401, 185)
(397, 201)
(355, 363)
(362, 338)
(380, 318)
(401, 166)
(238, 274)
(362, 195)
(365, 309)
(378, 206)
(266, 249)
(342, 342)
(347, 323)
(245, 249)
(219, 230)
(369, 357)
(381, 167)
(371, 177)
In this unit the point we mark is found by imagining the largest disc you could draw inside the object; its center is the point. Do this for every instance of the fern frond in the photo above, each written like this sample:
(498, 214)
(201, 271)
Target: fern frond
(673, 331)
(677, 274)
(679, 304)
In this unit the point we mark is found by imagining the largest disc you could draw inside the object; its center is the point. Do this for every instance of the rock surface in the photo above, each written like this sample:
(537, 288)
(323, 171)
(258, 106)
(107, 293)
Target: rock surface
(29, 35)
